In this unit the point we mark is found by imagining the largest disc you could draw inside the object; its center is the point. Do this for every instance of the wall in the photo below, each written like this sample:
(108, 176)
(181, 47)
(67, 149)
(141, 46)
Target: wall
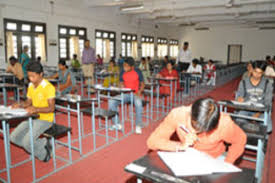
(213, 43)
(75, 13)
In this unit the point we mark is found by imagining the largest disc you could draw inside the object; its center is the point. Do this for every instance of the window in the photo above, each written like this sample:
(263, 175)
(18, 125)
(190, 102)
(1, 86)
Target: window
(71, 41)
(147, 46)
(105, 44)
(23, 33)
(162, 47)
(129, 45)
(174, 48)
(234, 53)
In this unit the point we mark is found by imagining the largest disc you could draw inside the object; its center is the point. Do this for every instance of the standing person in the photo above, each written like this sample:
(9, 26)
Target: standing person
(144, 67)
(16, 69)
(210, 70)
(88, 61)
(120, 62)
(24, 60)
(207, 131)
(99, 59)
(184, 58)
(132, 78)
(41, 101)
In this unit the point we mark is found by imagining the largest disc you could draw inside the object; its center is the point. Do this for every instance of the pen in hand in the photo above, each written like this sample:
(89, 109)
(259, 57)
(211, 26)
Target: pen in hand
(190, 138)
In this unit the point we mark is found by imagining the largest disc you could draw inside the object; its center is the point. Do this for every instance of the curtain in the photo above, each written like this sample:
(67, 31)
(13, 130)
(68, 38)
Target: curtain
(41, 38)
(10, 51)
(134, 49)
(76, 50)
(108, 54)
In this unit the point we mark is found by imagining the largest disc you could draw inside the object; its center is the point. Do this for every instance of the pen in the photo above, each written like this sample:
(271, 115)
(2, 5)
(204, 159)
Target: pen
(184, 128)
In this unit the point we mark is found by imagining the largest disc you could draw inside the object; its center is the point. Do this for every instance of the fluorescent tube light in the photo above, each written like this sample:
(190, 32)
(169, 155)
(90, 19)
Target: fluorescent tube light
(131, 8)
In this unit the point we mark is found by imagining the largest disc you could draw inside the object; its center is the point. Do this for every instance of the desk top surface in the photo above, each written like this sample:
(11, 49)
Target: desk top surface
(9, 117)
(74, 98)
(249, 107)
(8, 85)
(153, 163)
(111, 88)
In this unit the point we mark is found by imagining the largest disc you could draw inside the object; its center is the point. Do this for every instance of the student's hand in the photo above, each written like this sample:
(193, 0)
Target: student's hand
(190, 139)
(257, 115)
(31, 110)
(158, 76)
(240, 99)
(15, 106)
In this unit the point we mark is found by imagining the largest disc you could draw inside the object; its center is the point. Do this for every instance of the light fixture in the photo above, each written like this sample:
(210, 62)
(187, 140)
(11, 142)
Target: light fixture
(131, 8)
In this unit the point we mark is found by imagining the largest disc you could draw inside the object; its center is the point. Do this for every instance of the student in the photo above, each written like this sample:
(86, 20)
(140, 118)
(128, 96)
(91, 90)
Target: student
(131, 78)
(249, 71)
(16, 69)
(41, 101)
(208, 129)
(269, 71)
(75, 63)
(210, 70)
(256, 89)
(38, 59)
(25, 59)
(167, 73)
(112, 80)
(144, 67)
(164, 62)
(67, 79)
(184, 58)
(195, 67)
(120, 62)
(99, 60)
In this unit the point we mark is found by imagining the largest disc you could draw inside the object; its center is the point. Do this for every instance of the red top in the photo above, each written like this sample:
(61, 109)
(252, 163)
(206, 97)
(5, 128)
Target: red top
(131, 80)
(166, 74)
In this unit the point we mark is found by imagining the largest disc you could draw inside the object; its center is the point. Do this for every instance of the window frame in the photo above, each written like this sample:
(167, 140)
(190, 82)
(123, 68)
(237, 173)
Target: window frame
(151, 40)
(67, 36)
(172, 42)
(19, 33)
(101, 37)
(128, 41)
(162, 41)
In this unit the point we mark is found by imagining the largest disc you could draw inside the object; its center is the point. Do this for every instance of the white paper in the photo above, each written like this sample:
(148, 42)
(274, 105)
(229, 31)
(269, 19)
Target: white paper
(193, 162)
(15, 112)
(135, 168)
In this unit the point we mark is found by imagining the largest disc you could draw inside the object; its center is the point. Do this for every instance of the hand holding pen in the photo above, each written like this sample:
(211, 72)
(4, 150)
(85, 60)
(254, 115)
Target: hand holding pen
(190, 138)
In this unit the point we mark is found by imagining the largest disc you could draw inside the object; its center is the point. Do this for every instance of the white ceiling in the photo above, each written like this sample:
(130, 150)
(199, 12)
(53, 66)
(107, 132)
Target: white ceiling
(197, 13)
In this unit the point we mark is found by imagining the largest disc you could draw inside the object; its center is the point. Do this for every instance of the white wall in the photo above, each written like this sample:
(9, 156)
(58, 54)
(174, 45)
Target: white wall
(75, 13)
(214, 42)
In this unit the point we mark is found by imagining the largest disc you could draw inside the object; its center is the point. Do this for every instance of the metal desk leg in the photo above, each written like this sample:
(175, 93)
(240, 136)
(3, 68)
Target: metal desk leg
(79, 128)
(32, 150)
(4, 96)
(122, 113)
(132, 111)
(93, 126)
(7, 153)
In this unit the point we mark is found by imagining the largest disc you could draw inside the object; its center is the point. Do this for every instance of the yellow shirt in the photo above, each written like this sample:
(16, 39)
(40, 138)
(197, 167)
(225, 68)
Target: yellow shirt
(40, 96)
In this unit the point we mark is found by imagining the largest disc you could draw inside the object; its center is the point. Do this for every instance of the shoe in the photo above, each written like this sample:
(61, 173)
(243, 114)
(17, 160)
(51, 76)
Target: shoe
(112, 127)
(48, 148)
(119, 127)
(138, 130)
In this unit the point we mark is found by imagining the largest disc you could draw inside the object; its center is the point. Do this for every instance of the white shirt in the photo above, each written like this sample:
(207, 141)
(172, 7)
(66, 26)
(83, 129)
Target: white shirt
(269, 71)
(184, 56)
(197, 69)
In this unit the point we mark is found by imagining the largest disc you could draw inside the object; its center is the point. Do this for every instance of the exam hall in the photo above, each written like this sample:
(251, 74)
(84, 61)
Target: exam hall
(126, 91)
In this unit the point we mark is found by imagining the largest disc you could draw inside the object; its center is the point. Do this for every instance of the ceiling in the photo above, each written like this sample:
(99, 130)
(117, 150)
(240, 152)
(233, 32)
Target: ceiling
(197, 13)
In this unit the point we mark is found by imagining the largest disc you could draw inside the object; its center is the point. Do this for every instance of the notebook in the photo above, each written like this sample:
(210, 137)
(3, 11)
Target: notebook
(192, 162)
(9, 111)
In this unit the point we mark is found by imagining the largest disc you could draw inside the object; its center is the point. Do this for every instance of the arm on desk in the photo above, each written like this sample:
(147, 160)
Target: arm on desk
(50, 108)
(160, 138)
(67, 84)
(233, 134)
(23, 104)
(54, 76)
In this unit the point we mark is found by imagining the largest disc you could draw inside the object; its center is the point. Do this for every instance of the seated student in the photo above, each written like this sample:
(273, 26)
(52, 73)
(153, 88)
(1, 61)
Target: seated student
(131, 78)
(208, 129)
(168, 73)
(120, 62)
(164, 62)
(41, 101)
(249, 71)
(195, 67)
(38, 59)
(113, 79)
(75, 62)
(99, 60)
(269, 71)
(256, 89)
(16, 69)
(210, 70)
(144, 67)
(66, 78)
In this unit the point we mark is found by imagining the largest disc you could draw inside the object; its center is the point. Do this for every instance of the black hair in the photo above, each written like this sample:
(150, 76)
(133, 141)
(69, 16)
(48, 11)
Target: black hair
(143, 58)
(170, 62)
(112, 61)
(211, 61)
(12, 58)
(75, 55)
(149, 58)
(166, 57)
(186, 43)
(195, 61)
(268, 57)
(35, 67)
(130, 61)
(38, 58)
(205, 115)
(259, 64)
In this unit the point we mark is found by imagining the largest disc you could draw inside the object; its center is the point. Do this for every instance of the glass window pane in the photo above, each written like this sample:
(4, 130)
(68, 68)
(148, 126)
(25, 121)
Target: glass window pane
(105, 35)
(81, 47)
(72, 31)
(63, 31)
(71, 48)
(142, 39)
(123, 37)
(99, 48)
(123, 49)
(134, 38)
(147, 39)
(129, 37)
(14, 39)
(38, 28)
(112, 35)
(26, 27)
(81, 32)
(98, 34)
(11, 26)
